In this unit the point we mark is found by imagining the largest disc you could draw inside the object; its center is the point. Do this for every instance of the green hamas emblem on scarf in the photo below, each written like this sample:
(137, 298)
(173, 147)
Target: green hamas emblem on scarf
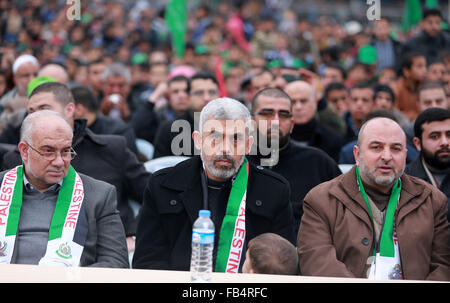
(64, 251)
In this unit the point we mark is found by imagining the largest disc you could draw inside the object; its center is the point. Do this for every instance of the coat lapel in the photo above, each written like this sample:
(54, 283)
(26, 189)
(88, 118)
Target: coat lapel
(185, 178)
(192, 200)
(409, 197)
(348, 194)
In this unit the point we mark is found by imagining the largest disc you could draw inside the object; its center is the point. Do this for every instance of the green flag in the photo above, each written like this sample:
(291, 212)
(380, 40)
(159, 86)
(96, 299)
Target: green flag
(176, 20)
(412, 14)
(431, 4)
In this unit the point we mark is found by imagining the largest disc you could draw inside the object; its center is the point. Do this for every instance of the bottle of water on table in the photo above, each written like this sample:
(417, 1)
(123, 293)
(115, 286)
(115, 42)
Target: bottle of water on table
(202, 248)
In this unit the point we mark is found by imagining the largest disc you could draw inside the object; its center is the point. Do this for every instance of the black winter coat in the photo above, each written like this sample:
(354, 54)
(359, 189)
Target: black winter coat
(304, 167)
(415, 168)
(173, 198)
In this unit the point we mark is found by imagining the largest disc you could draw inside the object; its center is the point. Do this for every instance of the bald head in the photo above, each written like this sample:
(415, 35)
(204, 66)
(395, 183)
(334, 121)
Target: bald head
(292, 87)
(382, 125)
(304, 104)
(44, 121)
(45, 148)
(55, 71)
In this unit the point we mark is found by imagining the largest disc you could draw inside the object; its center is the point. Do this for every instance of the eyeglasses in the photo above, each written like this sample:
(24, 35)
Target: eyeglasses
(66, 155)
(269, 113)
(211, 92)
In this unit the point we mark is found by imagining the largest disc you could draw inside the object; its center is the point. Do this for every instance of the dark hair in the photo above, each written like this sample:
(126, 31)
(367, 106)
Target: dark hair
(383, 88)
(430, 85)
(270, 92)
(204, 76)
(435, 61)
(84, 96)
(408, 60)
(432, 12)
(178, 78)
(94, 62)
(339, 68)
(427, 116)
(60, 91)
(333, 86)
(272, 254)
(262, 71)
(361, 85)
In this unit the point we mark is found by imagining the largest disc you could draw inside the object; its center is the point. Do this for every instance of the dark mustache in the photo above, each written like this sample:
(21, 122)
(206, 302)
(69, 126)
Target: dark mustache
(443, 149)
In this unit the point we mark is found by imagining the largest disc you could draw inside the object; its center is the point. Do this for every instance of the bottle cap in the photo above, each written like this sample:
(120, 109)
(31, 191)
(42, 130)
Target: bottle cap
(204, 213)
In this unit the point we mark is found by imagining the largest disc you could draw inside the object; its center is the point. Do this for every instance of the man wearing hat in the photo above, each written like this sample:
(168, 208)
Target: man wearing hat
(24, 68)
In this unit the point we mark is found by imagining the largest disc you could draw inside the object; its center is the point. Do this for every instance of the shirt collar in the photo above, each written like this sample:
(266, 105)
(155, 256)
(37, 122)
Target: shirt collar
(53, 188)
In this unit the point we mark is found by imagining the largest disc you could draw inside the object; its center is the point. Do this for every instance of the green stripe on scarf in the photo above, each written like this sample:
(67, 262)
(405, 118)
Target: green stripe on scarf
(227, 230)
(61, 209)
(62, 205)
(387, 234)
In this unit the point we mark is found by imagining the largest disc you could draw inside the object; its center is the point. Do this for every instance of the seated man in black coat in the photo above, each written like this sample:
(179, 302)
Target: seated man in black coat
(304, 167)
(220, 180)
(307, 128)
(103, 157)
(432, 139)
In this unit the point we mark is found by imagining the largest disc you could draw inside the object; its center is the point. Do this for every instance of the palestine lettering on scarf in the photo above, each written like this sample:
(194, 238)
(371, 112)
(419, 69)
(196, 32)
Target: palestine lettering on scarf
(6, 194)
(237, 242)
(75, 205)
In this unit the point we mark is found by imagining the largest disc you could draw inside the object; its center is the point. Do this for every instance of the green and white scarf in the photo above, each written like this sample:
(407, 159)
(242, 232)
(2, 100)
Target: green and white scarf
(386, 263)
(61, 249)
(232, 233)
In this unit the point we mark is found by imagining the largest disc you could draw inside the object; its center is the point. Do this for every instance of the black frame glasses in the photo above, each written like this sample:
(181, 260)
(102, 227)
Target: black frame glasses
(269, 113)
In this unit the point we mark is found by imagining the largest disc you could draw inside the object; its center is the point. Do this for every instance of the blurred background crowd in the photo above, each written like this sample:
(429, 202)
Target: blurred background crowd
(321, 42)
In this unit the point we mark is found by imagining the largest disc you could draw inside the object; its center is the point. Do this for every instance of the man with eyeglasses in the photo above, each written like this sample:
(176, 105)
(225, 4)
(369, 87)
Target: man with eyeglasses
(24, 68)
(103, 157)
(203, 87)
(304, 167)
(51, 215)
(308, 130)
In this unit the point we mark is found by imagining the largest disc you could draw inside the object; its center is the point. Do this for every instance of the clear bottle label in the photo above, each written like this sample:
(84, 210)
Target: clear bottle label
(202, 238)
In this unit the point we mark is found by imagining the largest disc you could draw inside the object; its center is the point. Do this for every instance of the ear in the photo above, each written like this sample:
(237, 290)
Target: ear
(23, 149)
(405, 72)
(416, 142)
(80, 111)
(356, 153)
(197, 137)
(69, 111)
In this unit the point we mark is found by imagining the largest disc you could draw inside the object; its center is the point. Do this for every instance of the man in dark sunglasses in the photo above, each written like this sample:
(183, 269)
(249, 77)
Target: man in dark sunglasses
(303, 166)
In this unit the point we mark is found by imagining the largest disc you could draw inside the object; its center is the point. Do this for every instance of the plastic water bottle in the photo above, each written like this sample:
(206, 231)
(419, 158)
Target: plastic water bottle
(202, 247)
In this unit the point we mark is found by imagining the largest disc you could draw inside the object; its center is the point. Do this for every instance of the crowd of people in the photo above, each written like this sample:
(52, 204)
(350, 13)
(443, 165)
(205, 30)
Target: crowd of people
(268, 107)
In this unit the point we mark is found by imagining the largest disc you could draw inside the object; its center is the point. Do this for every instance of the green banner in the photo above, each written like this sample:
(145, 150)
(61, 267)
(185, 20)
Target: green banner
(176, 21)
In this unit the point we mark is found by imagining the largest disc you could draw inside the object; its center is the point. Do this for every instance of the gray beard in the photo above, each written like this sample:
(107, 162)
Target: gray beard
(222, 173)
(379, 180)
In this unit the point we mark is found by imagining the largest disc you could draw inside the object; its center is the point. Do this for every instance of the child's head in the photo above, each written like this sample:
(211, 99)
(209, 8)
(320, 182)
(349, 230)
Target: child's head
(270, 254)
